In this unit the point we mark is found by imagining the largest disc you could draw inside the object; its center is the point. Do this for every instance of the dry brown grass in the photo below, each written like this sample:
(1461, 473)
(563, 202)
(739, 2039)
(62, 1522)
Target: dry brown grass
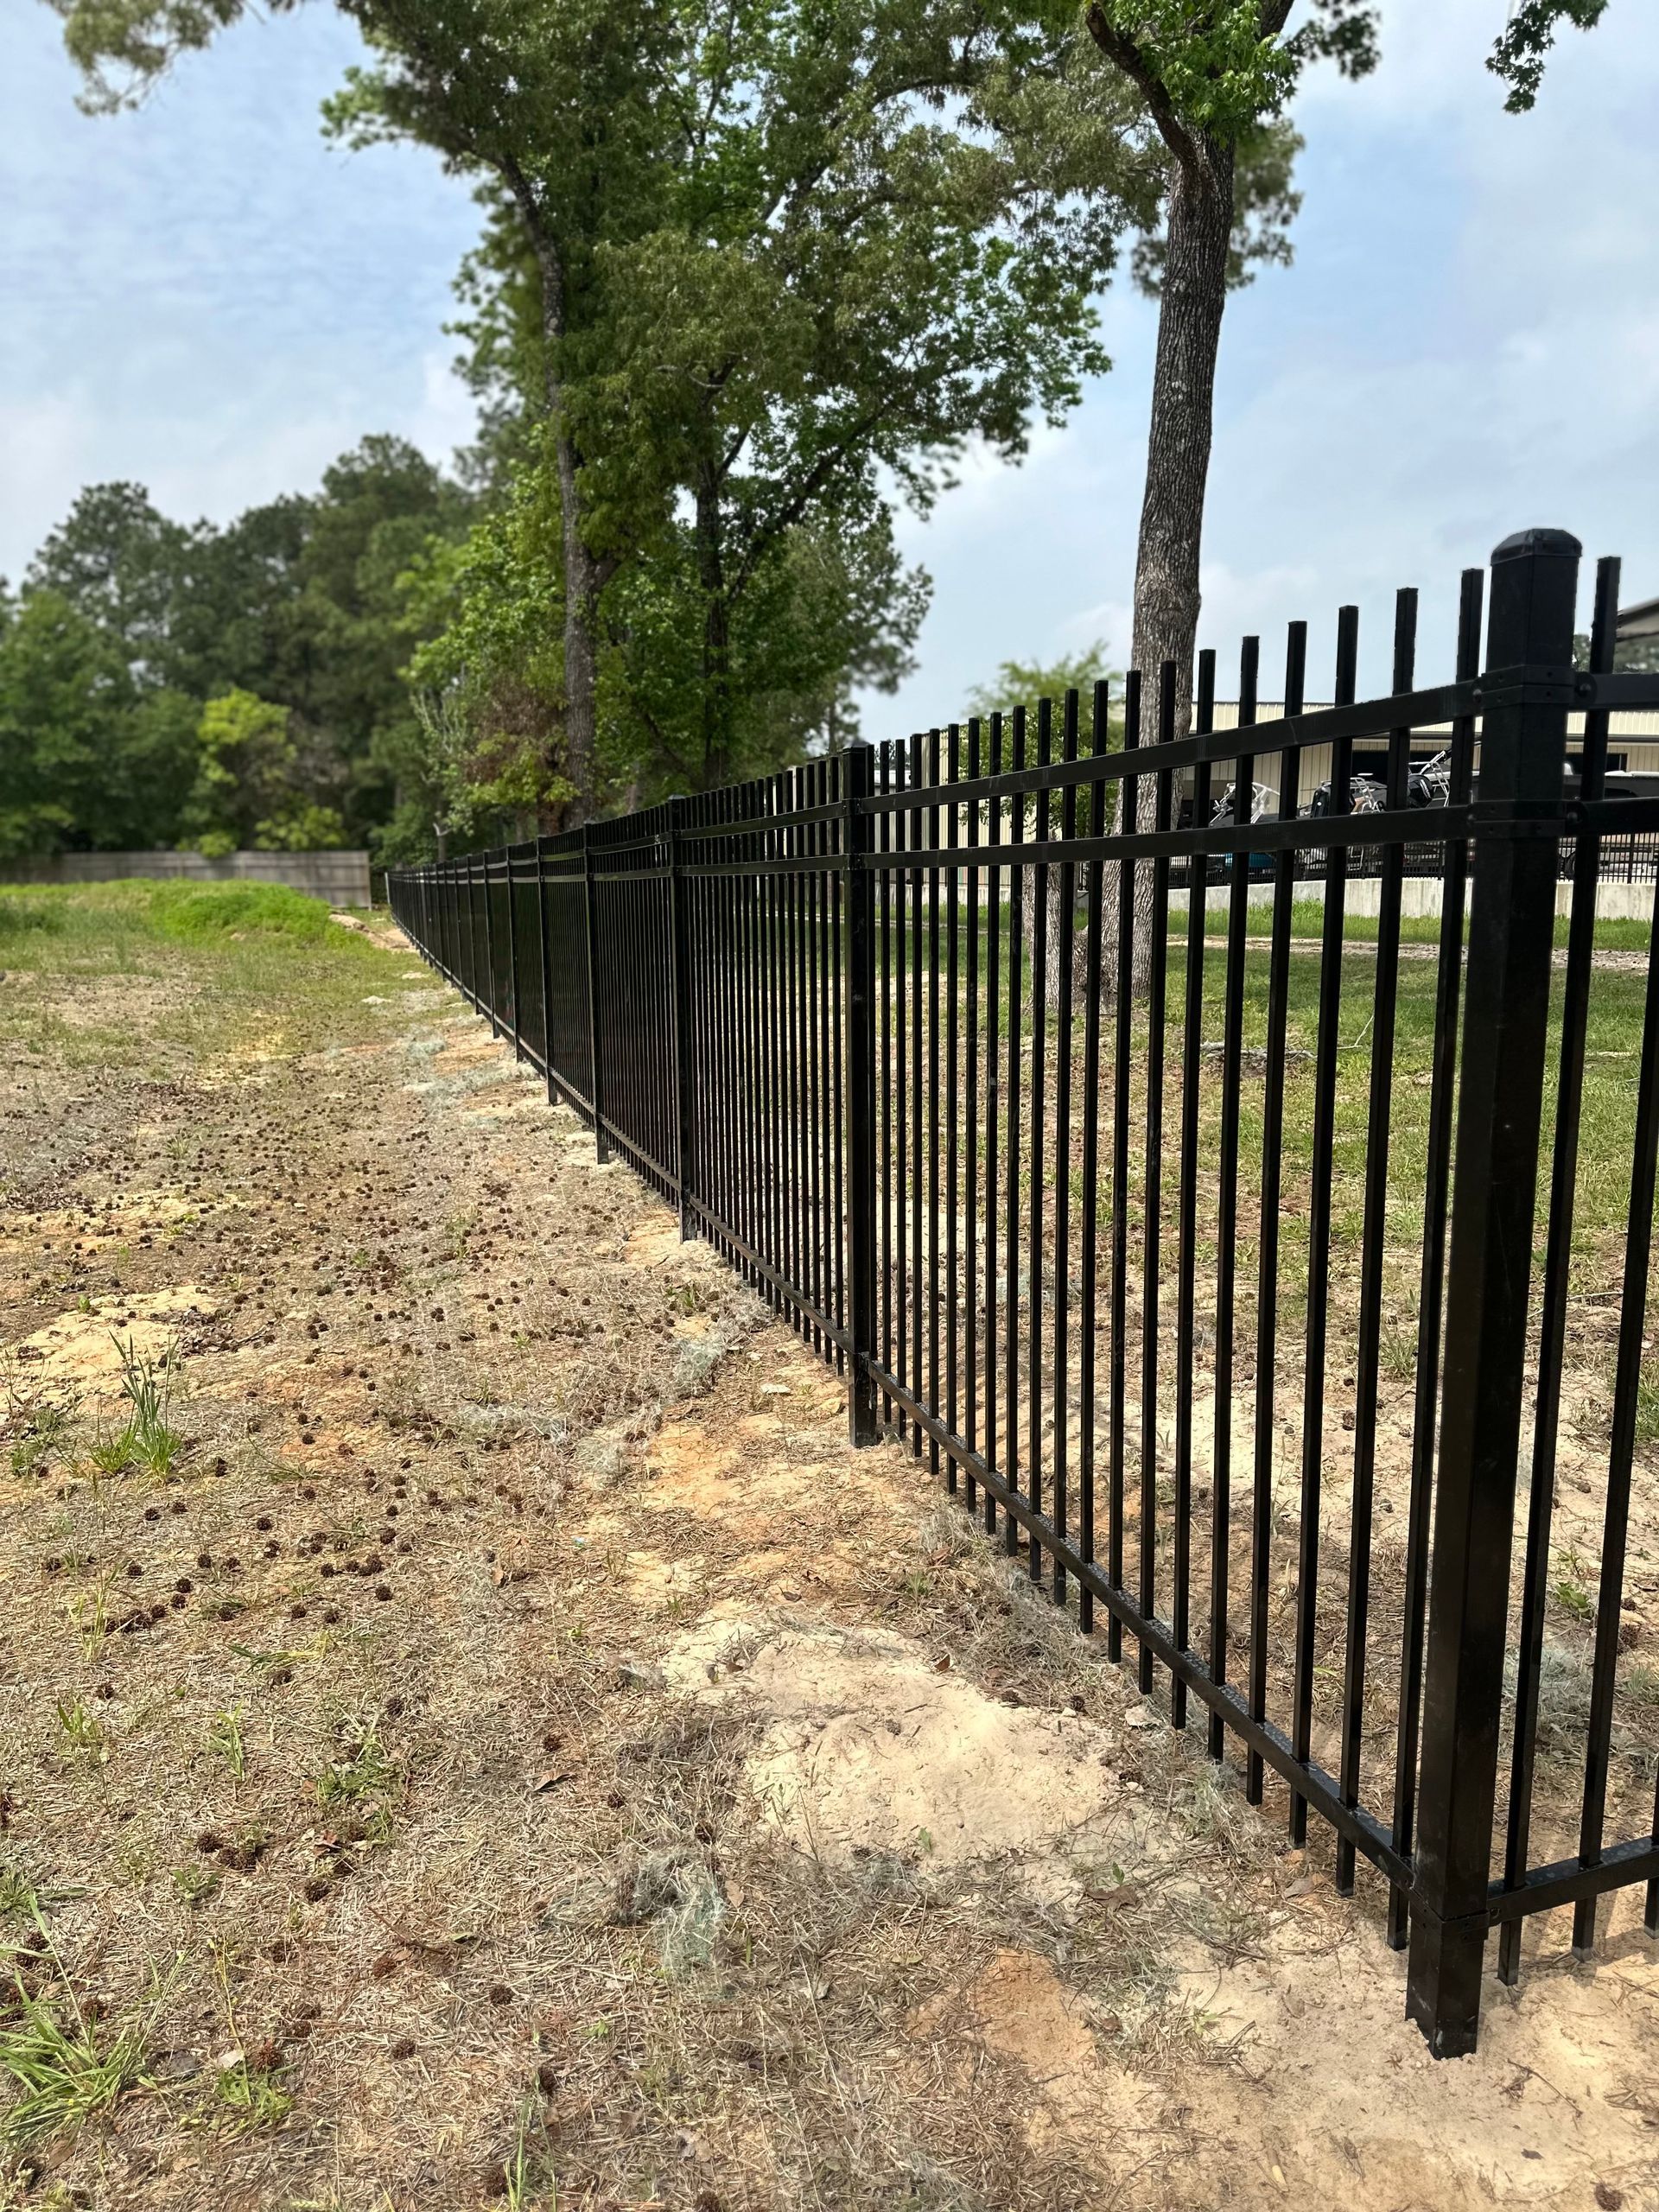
(563, 1779)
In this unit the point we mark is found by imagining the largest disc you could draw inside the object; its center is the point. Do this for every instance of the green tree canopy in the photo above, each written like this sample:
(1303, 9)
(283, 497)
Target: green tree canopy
(87, 756)
(128, 623)
(752, 267)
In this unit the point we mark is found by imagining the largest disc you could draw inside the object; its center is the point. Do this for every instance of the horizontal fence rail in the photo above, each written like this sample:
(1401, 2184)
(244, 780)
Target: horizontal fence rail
(1258, 1291)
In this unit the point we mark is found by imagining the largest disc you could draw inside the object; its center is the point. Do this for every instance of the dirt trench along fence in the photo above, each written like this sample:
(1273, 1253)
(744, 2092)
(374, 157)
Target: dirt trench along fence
(1281, 1305)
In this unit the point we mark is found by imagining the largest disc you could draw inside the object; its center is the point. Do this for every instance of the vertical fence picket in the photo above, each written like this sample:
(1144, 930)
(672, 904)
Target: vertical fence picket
(1129, 814)
(1232, 1055)
(1557, 1257)
(1432, 1284)
(1035, 1209)
(1373, 1235)
(685, 1126)
(1327, 1044)
(1187, 1231)
(590, 928)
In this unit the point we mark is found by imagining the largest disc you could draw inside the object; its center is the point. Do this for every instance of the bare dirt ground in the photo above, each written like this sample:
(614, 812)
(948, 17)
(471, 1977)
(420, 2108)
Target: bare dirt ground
(516, 1751)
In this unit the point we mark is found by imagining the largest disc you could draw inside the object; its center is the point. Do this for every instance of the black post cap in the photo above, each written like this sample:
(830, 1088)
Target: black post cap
(1524, 545)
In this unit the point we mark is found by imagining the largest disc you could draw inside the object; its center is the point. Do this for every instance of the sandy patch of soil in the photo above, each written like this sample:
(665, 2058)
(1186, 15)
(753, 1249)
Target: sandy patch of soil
(86, 1351)
(867, 1744)
(1015, 2017)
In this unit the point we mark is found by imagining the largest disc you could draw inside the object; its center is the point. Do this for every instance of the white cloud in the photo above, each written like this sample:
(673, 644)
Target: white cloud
(203, 295)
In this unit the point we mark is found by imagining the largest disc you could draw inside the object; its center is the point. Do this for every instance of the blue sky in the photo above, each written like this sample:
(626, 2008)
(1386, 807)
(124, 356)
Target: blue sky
(205, 297)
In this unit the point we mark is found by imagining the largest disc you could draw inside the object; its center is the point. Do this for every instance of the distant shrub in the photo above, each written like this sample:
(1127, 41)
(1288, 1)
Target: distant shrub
(197, 913)
(21, 911)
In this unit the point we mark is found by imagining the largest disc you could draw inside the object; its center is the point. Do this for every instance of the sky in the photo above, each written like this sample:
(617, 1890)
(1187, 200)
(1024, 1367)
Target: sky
(205, 297)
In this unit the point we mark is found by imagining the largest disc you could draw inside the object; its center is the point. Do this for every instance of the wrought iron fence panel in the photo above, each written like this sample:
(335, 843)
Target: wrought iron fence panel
(1257, 1289)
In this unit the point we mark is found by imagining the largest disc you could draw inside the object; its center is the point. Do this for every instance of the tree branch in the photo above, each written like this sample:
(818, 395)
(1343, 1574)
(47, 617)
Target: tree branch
(1122, 51)
(767, 532)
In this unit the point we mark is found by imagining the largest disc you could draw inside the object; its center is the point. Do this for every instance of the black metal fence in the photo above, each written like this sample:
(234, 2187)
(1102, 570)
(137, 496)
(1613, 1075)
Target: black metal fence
(1195, 1256)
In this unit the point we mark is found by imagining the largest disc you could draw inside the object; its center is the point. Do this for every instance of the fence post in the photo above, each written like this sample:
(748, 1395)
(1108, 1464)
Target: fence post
(489, 949)
(679, 941)
(601, 1150)
(512, 961)
(857, 841)
(1511, 931)
(546, 967)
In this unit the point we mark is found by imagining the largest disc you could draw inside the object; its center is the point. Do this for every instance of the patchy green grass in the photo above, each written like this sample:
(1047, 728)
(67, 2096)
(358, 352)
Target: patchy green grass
(1608, 1115)
(147, 1440)
(225, 1742)
(165, 975)
(1308, 920)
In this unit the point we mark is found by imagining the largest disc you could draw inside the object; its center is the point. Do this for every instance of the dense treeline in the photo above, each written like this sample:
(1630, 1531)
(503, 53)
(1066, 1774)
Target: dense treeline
(167, 684)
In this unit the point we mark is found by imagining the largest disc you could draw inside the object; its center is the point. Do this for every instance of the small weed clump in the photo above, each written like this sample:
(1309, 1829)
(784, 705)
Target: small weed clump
(1571, 1590)
(17, 1894)
(146, 1440)
(90, 1616)
(248, 2090)
(194, 1885)
(81, 1730)
(527, 2176)
(253, 2095)
(362, 1783)
(225, 1739)
(64, 2069)
(46, 1433)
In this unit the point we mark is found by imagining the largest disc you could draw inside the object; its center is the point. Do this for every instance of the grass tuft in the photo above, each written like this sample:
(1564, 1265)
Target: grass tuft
(225, 1739)
(65, 2071)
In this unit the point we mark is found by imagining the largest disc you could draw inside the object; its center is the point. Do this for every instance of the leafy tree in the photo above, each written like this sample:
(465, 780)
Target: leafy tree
(841, 288)
(124, 566)
(828, 610)
(757, 256)
(251, 785)
(87, 758)
(551, 105)
(1017, 683)
(854, 284)
(488, 749)
(1519, 55)
(1215, 77)
(300, 602)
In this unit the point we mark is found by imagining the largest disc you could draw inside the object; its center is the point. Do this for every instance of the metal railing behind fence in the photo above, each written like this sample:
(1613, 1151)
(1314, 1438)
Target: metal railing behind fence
(1195, 1256)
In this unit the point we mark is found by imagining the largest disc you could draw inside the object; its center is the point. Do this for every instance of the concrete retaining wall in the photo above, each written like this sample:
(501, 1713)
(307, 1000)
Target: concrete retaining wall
(340, 878)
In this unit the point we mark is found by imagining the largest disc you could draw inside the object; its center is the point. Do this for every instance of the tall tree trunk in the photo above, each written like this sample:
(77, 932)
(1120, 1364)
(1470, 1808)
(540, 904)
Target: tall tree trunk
(1056, 950)
(583, 582)
(716, 635)
(584, 573)
(1167, 597)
